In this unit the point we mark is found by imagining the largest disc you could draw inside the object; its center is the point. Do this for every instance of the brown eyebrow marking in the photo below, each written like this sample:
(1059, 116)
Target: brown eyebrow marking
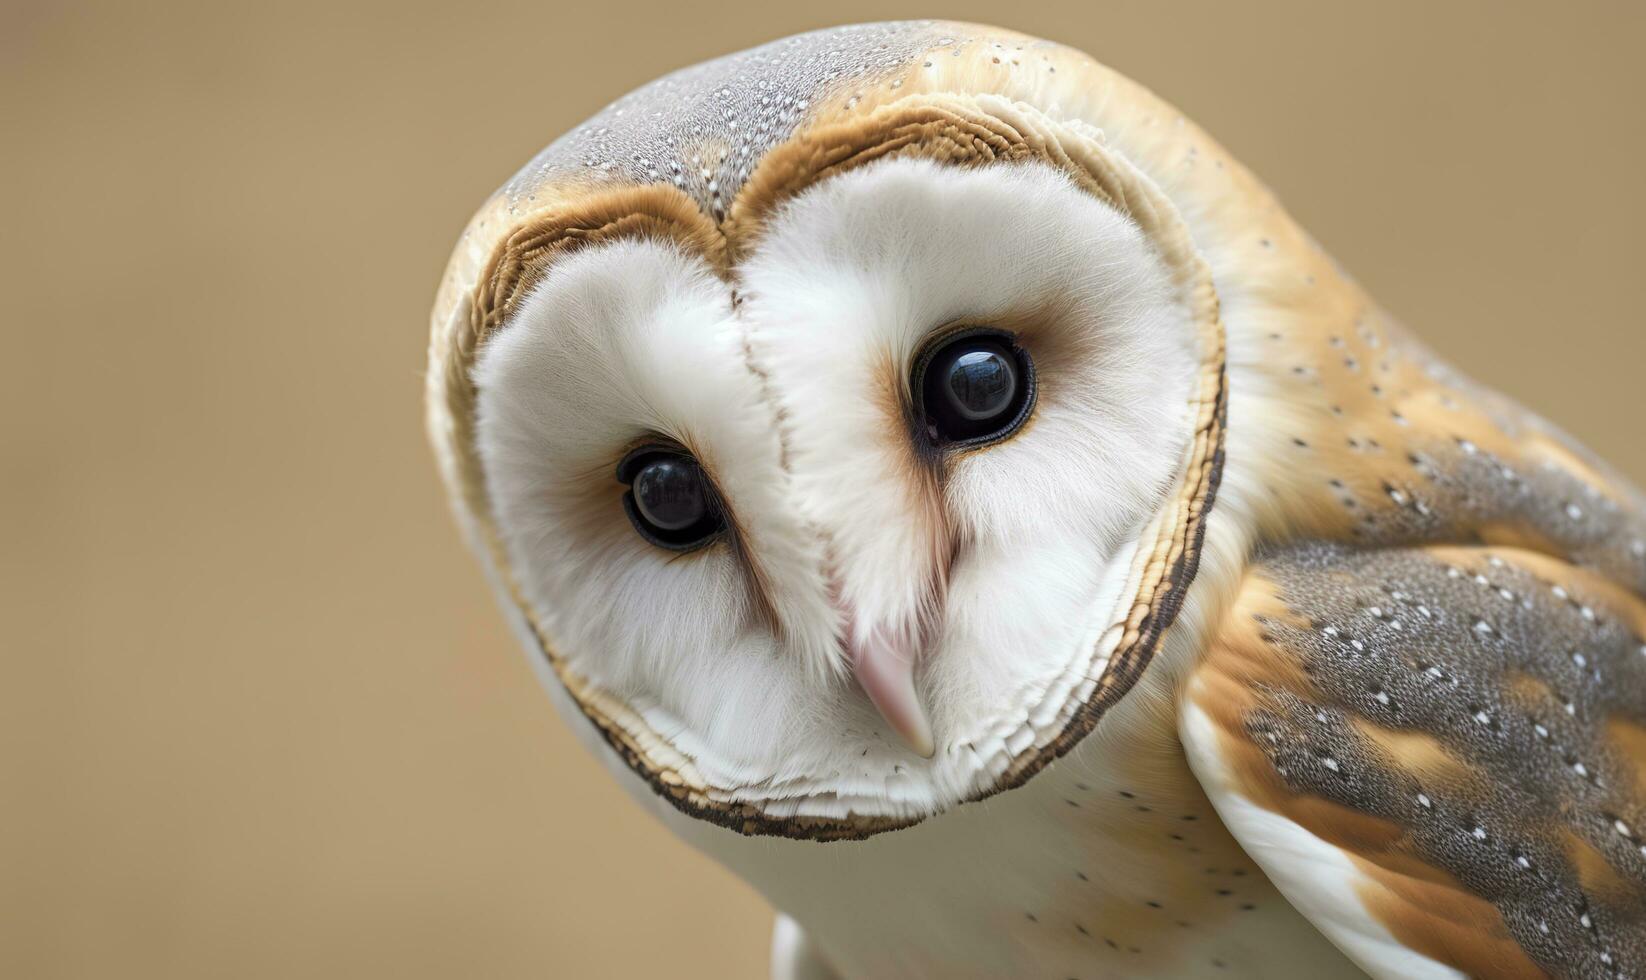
(659, 212)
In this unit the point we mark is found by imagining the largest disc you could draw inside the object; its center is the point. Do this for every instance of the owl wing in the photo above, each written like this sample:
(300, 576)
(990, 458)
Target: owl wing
(1437, 754)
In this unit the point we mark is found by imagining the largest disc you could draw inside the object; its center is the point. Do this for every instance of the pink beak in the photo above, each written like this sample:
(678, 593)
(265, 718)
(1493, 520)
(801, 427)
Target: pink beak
(886, 673)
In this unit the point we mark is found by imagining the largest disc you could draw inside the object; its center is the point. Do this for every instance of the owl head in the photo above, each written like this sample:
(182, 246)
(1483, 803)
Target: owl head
(839, 419)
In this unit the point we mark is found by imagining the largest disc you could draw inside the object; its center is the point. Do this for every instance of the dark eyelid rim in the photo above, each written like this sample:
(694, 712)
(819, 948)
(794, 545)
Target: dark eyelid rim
(627, 469)
(939, 342)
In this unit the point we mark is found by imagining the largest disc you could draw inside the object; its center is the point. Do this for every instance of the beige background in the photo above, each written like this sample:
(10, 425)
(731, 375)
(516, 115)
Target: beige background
(258, 716)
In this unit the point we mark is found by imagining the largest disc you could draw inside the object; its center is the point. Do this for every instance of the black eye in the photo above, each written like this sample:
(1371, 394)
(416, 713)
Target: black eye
(974, 388)
(669, 500)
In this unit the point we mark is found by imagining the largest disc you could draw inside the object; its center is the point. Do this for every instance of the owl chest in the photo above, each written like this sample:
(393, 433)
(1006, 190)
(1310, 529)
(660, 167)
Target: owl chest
(1110, 864)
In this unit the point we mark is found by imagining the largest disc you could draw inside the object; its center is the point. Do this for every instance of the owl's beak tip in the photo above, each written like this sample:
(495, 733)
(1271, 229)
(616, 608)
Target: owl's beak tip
(887, 677)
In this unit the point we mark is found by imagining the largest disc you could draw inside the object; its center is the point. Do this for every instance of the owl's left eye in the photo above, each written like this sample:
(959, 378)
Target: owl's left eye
(669, 500)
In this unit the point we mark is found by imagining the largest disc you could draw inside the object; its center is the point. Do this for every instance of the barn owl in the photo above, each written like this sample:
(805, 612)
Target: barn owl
(947, 488)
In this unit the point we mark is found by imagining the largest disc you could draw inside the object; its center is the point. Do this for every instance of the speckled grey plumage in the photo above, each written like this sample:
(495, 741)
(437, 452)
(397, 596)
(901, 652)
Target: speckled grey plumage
(1447, 489)
(1463, 485)
(1413, 644)
(704, 128)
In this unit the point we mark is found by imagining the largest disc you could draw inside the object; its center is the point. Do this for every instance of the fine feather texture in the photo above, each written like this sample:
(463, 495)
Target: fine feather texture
(999, 570)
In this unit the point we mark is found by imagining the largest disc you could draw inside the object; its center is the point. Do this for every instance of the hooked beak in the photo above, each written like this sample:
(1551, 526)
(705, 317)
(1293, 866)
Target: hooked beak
(885, 670)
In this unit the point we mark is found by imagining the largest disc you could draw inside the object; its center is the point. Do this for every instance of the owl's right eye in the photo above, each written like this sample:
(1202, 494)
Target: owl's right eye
(669, 500)
(975, 387)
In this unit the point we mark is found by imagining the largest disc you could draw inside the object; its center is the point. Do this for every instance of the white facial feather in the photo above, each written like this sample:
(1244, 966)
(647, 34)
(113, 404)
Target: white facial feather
(1001, 576)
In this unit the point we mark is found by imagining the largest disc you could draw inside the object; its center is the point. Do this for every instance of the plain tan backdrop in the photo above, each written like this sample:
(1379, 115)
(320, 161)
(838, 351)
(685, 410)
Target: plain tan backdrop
(259, 716)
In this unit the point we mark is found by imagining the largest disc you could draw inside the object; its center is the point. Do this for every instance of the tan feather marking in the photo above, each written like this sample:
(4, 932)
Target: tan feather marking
(1517, 537)
(946, 128)
(1230, 681)
(658, 211)
(1628, 740)
(1416, 752)
(1443, 921)
(1599, 877)
(1526, 689)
